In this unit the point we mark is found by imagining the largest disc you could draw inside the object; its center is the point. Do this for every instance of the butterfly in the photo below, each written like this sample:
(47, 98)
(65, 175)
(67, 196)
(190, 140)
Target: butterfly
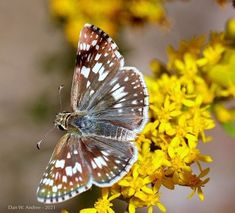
(109, 108)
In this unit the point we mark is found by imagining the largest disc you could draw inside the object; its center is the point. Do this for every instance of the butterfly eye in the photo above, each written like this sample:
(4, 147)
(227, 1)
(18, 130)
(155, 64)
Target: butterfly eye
(61, 127)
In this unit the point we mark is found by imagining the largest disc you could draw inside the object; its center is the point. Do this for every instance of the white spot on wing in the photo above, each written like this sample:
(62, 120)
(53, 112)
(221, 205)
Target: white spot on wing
(92, 92)
(113, 45)
(105, 153)
(77, 167)
(119, 93)
(100, 162)
(102, 74)
(69, 171)
(60, 164)
(64, 179)
(44, 180)
(97, 56)
(94, 42)
(109, 40)
(118, 105)
(68, 155)
(85, 71)
(54, 189)
(116, 86)
(57, 175)
(88, 84)
(94, 166)
(87, 47)
(117, 161)
(51, 182)
(97, 67)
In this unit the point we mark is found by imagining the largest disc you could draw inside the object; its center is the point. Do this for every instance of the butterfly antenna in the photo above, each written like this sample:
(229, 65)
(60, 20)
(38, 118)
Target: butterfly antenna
(59, 93)
(44, 137)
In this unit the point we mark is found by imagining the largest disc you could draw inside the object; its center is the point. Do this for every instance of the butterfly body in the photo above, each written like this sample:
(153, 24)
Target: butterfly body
(109, 108)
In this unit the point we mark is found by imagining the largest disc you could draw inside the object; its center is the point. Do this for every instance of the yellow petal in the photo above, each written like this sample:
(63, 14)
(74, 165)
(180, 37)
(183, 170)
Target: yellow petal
(124, 182)
(142, 196)
(150, 209)
(131, 208)
(114, 196)
(89, 210)
(161, 207)
(206, 158)
(200, 194)
(64, 211)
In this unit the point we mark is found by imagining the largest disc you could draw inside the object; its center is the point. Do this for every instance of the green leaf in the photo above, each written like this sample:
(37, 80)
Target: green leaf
(229, 128)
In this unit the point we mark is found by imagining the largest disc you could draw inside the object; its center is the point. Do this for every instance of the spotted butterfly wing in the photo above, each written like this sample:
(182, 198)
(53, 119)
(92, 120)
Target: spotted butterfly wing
(104, 87)
(67, 173)
(78, 162)
(97, 62)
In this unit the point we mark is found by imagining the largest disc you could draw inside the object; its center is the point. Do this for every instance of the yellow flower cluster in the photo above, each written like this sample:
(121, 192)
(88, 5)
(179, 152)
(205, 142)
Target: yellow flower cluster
(167, 147)
(108, 15)
(198, 75)
(210, 67)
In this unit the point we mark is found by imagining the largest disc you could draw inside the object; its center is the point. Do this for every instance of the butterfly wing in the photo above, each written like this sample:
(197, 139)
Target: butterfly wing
(67, 173)
(126, 102)
(109, 160)
(97, 62)
(108, 91)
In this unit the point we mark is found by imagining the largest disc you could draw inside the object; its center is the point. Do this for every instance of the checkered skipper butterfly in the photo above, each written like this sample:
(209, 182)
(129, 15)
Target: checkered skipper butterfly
(110, 106)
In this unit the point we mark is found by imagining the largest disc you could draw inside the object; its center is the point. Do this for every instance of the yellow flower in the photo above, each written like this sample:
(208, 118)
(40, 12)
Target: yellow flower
(212, 54)
(194, 155)
(200, 119)
(62, 8)
(151, 162)
(196, 183)
(72, 30)
(108, 15)
(149, 199)
(64, 211)
(192, 47)
(103, 205)
(88, 210)
(230, 30)
(223, 114)
(131, 184)
(168, 111)
(178, 156)
(224, 73)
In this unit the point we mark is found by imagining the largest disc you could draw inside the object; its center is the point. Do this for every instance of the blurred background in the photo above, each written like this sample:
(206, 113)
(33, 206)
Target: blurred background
(35, 58)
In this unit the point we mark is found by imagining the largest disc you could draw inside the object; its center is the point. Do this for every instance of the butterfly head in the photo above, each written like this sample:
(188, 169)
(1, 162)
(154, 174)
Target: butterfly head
(61, 120)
